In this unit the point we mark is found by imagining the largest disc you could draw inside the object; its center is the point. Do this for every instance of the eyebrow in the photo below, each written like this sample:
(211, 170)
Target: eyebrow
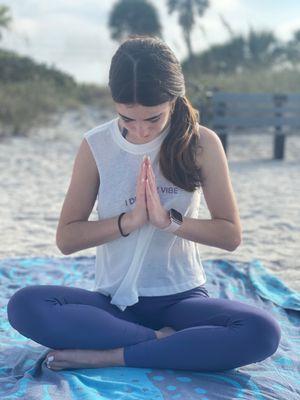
(147, 119)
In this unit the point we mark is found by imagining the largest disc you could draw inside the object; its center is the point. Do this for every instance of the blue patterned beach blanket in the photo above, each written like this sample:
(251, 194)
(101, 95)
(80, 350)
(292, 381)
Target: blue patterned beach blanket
(23, 373)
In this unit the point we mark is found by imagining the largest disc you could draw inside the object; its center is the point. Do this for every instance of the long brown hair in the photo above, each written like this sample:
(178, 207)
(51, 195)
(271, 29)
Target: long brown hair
(145, 71)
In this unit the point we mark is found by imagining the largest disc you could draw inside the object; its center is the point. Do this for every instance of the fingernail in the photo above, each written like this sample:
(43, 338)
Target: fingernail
(51, 358)
(144, 158)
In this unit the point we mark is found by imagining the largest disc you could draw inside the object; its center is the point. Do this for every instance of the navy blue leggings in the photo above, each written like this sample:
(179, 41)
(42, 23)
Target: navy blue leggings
(212, 334)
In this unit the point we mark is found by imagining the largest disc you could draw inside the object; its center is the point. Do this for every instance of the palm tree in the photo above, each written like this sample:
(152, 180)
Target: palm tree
(133, 17)
(293, 49)
(187, 10)
(227, 25)
(262, 48)
(5, 18)
(226, 57)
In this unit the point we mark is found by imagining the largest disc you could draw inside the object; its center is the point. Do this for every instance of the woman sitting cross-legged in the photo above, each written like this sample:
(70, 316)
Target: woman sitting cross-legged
(149, 306)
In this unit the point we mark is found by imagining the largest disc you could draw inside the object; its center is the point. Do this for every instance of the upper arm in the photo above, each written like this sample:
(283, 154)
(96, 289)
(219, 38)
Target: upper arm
(217, 187)
(82, 191)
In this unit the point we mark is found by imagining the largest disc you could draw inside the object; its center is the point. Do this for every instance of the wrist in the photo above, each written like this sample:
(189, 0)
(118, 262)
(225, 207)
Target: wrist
(175, 221)
(128, 224)
(167, 220)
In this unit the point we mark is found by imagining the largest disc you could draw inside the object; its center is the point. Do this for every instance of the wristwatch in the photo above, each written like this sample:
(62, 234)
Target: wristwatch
(176, 220)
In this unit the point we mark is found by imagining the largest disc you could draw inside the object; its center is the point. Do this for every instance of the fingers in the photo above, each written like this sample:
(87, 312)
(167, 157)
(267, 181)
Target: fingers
(151, 179)
(147, 177)
(149, 191)
(151, 173)
(141, 180)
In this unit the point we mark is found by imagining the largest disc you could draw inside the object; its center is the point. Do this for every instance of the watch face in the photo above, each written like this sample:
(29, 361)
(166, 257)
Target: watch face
(176, 215)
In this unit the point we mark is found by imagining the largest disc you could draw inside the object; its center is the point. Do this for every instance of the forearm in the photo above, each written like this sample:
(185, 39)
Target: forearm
(210, 232)
(82, 235)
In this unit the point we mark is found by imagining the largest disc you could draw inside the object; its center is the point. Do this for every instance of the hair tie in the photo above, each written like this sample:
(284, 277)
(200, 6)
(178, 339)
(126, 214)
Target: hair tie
(119, 224)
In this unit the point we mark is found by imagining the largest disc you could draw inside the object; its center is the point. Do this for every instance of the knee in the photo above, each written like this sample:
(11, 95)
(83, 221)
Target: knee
(268, 333)
(17, 306)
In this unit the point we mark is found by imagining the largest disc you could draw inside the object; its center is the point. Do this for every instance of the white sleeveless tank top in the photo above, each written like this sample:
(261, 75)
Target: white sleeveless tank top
(148, 262)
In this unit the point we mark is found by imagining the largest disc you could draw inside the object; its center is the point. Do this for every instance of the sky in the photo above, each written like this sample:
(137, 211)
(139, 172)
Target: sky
(73, 35)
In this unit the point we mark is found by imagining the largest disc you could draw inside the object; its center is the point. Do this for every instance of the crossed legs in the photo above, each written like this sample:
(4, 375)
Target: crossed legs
(210, 334)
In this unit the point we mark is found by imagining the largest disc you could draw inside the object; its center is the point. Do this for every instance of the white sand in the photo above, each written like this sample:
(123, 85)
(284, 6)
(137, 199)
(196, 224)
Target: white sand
(36, 171)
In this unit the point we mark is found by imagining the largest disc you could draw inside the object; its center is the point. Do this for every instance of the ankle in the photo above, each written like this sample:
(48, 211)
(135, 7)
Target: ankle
(158, 334)
(115, 357)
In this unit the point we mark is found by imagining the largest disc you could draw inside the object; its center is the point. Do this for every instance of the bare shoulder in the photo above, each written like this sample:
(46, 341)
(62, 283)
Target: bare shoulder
(207, 134)
(210, 146)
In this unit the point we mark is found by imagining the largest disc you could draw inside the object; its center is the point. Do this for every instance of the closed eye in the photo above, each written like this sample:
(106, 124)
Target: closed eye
(152, 121)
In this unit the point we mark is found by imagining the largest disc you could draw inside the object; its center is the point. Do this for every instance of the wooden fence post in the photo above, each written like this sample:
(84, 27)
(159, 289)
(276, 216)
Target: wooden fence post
(279, 137)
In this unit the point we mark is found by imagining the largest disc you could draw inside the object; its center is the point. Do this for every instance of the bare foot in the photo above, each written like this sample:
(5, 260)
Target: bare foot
(81, 358)
(164, 332)
(77, 358)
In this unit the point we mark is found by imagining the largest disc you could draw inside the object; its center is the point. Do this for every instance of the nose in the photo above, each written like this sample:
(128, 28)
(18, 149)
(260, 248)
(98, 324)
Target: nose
(142, 130)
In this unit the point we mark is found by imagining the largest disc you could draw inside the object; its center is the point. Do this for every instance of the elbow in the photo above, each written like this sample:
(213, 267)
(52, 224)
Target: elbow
(236, 242)
(60, 246)
(63, 249)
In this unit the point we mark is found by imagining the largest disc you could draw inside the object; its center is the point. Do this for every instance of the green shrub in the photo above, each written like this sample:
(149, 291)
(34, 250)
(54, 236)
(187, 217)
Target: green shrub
(25, 105)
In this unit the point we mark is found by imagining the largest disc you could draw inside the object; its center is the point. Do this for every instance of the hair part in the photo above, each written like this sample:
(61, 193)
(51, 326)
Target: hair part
(145, 71)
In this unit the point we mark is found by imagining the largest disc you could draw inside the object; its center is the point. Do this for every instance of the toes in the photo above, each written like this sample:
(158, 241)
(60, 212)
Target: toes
(54, 366)
(50, 355)
(51, 358)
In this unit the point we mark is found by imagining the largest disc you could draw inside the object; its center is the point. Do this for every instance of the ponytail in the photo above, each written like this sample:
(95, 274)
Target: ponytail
(178, 153)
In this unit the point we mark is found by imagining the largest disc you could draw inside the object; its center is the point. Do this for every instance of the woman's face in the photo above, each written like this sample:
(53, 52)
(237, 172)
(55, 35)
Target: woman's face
(143, 123)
